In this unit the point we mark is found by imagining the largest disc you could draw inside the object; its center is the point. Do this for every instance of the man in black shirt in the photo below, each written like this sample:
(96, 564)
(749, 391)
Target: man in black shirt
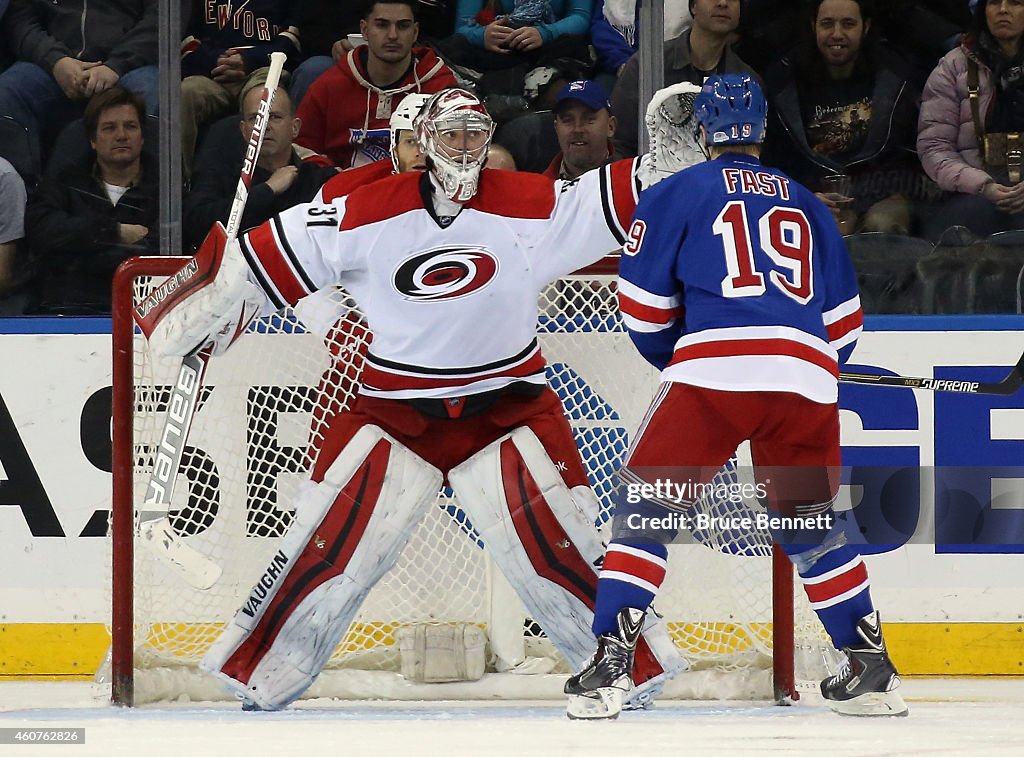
(841, 105)
(83, 221)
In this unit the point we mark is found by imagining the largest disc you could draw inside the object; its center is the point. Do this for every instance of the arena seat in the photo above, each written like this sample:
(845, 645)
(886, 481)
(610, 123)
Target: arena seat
(531, 139)
(946, 286)
(886, 266)
(996, 275)
(17, 148)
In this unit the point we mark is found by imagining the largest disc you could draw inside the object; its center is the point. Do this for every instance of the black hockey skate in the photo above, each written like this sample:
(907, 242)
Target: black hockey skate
(866, 684)
(598, 690)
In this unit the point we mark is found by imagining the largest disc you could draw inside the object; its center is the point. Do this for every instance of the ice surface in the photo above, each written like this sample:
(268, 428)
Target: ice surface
(975, 717)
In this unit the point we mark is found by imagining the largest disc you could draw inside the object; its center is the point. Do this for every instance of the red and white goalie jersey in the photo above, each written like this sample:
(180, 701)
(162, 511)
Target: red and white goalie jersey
(451, 302)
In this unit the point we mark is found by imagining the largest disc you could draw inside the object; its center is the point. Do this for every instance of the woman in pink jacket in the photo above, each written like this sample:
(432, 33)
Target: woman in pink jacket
(984, 199)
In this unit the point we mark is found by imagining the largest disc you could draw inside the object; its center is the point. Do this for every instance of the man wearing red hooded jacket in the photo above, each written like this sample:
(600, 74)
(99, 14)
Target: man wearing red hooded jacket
(346, 111)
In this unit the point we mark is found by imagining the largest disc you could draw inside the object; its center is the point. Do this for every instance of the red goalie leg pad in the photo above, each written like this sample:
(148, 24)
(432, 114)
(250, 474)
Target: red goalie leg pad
(325, 556)
(550, 550)
(191, 277)
(645, 664)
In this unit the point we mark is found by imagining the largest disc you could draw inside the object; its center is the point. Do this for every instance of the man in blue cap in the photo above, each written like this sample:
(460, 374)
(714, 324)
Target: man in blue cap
(585, 126)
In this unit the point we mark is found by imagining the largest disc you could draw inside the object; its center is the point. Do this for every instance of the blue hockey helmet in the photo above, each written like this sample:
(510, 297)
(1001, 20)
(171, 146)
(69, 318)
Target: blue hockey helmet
(732, 110)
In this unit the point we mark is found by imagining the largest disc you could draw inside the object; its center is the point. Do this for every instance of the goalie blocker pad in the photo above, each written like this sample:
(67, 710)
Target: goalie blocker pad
(538, 533)
(348, 532)
(209, 299)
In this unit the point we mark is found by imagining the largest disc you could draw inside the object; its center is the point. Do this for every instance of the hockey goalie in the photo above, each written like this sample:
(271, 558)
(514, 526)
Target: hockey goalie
(447, 266)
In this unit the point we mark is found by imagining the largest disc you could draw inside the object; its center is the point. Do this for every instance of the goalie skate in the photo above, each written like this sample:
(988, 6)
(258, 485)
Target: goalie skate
(866, 685)
(597, 692)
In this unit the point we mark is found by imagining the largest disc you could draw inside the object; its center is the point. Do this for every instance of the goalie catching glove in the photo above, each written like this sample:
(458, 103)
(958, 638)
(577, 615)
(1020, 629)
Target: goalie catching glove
(209, 300)
(672, 133)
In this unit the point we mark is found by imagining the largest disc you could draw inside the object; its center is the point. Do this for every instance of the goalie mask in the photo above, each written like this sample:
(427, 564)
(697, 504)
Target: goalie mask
(402, 120)
(732, 110)
(454, 131)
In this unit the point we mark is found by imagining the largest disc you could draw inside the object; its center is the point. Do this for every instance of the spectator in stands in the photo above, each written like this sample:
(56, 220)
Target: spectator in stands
(525, 48)
(12, 226)
(920, 30)
(954, 130)
(84, 221)
(614, 32)
(220, 55)
(405, 154)
(68, 51)
(345, 113)
(285, 174)
(327, 24)
(694, 55)
(500, 158)
(585, 126)
(843, 105)
(324, 29)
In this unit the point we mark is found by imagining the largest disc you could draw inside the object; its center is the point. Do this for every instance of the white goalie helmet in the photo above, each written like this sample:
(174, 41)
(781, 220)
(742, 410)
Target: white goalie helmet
(402, 119)
(454, 130)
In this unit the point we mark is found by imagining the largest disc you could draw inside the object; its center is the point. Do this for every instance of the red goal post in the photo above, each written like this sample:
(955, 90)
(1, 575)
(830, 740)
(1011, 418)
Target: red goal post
(733, 617)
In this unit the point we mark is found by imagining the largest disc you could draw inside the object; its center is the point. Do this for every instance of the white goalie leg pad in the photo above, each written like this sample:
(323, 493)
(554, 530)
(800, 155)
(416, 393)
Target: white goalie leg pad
(537, 534)
(542, 537)
(348, 532)
(216, 303)
(654, 666)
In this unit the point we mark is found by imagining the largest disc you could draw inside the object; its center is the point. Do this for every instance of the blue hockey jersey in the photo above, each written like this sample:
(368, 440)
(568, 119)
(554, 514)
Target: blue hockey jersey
(734, 277)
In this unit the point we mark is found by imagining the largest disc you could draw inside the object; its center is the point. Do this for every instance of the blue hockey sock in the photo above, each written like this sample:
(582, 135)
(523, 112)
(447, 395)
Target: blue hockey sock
(630, 577)
(838, 588)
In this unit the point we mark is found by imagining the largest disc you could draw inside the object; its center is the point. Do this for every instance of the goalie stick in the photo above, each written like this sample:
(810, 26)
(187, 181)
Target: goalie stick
(159, 534)
(1004, 388)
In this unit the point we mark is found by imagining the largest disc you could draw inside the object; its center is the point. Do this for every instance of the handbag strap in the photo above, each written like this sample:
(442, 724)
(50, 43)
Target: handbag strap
(972, 95)
(1014, 152)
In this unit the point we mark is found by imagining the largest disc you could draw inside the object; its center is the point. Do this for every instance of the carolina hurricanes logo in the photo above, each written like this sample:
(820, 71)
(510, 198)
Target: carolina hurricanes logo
(446, 273)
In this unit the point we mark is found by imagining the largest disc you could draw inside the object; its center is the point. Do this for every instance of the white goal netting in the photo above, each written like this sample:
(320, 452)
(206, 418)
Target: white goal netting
(261, 410)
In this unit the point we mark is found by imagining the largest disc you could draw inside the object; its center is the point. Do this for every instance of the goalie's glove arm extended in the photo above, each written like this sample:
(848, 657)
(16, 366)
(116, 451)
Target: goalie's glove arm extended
(211, 299)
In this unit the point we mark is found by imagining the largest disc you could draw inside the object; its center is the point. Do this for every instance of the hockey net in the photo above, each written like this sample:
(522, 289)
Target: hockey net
(732, 607)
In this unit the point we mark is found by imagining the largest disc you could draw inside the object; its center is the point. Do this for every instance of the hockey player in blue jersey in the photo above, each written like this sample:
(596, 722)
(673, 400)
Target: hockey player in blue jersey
(735, 282)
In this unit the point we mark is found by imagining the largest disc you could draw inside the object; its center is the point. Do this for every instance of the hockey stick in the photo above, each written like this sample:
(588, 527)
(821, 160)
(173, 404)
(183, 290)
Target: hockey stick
(1004, 388)
(159, 534)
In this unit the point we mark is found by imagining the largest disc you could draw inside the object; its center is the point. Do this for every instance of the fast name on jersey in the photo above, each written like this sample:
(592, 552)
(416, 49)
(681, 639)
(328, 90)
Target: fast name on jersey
(762, 183)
